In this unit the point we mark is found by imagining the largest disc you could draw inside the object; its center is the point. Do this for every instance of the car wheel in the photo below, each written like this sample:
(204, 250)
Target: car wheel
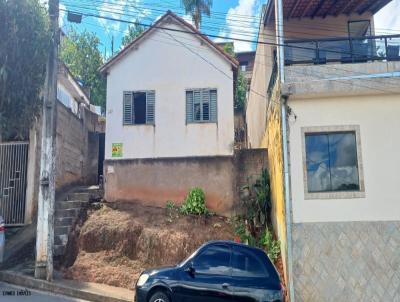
(159, 297)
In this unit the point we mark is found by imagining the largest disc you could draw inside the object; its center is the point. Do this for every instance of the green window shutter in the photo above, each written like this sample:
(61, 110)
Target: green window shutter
(189, 107)
(127, 114)
(205, 105)
(213, 106)
(196, 105)
(150, 107)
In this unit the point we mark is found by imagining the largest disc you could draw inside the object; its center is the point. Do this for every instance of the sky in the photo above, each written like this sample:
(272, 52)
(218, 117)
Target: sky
(229, 18)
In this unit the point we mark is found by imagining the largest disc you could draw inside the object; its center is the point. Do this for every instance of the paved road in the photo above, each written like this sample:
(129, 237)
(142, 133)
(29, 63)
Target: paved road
(9, 292)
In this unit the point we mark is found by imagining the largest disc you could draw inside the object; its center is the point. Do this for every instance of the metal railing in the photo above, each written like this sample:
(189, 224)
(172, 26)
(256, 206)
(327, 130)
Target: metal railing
(343, 50)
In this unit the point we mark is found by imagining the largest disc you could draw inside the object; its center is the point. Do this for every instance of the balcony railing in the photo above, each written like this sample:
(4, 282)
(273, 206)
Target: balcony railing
(343, 50)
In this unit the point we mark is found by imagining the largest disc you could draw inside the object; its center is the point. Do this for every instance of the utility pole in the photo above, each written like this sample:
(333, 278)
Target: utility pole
(45, 221)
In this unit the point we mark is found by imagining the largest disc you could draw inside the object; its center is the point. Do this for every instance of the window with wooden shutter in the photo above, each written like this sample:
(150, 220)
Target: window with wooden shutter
(150, 107)
(213, 106)
(201, 106)
(189, 107)
(139, 107)
(128, 109)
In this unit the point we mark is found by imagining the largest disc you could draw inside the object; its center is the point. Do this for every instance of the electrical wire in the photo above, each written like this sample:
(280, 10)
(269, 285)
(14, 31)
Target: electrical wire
(192, 48)
(124, 5)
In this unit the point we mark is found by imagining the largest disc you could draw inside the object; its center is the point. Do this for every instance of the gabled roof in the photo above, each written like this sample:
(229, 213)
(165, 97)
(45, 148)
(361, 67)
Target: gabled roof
(188, 27)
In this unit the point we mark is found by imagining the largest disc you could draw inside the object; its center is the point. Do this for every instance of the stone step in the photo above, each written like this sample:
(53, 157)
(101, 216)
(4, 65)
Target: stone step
(61, 230)
(64, 221)
(69, 204)
(58, 250)
(61, 239)
(67, 213)
(83, 196)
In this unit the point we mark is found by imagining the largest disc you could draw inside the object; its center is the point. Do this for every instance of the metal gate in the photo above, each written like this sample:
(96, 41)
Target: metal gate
(13, 167)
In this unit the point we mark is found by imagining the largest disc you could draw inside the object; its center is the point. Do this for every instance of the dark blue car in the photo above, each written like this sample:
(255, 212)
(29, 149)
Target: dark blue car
(218, 271)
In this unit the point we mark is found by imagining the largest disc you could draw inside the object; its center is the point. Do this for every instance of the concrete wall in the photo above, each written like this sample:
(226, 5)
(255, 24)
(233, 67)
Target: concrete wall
(377, 118)
(256, 109)
(77, 148)
(155, 181)
(163, 64)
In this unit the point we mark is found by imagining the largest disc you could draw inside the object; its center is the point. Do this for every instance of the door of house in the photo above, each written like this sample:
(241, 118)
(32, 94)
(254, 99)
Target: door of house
(13, 168)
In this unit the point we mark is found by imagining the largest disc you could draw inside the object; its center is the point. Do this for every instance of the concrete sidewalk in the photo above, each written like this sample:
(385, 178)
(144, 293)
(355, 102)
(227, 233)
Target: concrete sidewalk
(81, 290)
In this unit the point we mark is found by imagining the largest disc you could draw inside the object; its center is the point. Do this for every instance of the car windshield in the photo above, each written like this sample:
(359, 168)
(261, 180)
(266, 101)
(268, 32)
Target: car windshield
(188, 258)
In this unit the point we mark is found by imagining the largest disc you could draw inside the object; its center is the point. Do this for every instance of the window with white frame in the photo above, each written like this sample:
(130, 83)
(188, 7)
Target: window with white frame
(201, 106)
(139, 107)
(332, 162)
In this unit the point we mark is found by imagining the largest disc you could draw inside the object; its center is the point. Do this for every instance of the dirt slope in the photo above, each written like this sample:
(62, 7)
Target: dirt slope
(116, 243)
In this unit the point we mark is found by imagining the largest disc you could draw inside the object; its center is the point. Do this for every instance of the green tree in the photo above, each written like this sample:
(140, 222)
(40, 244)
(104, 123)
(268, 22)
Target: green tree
(24, 46)
(241, 91)
(133, 32)
(229, 49)
(196, 8)
(241, 82)
(80, 52)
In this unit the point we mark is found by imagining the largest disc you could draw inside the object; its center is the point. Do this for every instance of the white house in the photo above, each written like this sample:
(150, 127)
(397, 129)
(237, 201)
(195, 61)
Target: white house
(170, 116)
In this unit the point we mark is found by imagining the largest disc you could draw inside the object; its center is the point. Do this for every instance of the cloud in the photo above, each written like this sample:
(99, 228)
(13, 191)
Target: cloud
(239, 26)
(108, 9)
(188, 18)
(386, 21)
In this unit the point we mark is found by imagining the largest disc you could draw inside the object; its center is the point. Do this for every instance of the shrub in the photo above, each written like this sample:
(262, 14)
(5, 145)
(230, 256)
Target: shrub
(271, 246)
(170, 205)
(195, 203)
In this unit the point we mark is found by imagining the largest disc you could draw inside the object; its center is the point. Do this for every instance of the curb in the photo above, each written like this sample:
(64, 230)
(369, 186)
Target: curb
(57, 288)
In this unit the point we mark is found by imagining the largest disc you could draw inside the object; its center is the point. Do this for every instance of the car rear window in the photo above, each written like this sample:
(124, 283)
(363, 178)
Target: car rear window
(246, 264)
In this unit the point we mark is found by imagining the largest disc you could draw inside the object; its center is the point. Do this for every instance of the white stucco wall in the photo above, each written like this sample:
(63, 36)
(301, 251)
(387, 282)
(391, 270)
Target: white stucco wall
(378, 119)
(162, 64)
(66, 97)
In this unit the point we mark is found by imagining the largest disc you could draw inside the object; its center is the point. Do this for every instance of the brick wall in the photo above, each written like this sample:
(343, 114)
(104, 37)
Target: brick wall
(77, 148)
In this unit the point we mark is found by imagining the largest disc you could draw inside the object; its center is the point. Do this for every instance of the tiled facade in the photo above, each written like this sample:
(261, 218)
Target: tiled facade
(346, 261)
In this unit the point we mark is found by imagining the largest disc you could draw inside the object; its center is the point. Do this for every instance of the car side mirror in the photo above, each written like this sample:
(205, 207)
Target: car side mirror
(190, 269)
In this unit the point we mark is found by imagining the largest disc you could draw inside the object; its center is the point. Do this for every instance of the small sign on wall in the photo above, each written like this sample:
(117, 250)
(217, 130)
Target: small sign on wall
(116, 150)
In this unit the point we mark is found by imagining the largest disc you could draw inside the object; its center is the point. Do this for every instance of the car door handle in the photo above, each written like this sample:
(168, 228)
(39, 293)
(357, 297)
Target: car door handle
(225, 285)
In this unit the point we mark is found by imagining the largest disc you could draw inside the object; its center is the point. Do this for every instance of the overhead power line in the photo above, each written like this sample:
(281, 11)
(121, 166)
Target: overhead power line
(195, 50)
(205, 35)
(245, 19)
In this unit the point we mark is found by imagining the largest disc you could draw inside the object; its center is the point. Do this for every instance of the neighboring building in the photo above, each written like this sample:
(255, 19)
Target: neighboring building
(331, 128)
(79, 126)
(246, 62)
(170, 118)
(71, 93)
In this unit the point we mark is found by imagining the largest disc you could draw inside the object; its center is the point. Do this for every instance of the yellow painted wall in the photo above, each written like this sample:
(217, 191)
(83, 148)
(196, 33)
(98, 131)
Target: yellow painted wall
(272, 140)
(263, 121)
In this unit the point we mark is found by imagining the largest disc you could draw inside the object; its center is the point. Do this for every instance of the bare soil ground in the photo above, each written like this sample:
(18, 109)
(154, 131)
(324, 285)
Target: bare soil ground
(115, 243)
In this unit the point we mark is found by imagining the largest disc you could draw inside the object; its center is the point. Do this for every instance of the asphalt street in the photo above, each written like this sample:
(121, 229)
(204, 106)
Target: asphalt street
(9, 292)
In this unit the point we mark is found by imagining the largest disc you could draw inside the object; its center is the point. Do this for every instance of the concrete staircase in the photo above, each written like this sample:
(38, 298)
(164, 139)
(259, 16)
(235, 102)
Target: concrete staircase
(67, 210)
